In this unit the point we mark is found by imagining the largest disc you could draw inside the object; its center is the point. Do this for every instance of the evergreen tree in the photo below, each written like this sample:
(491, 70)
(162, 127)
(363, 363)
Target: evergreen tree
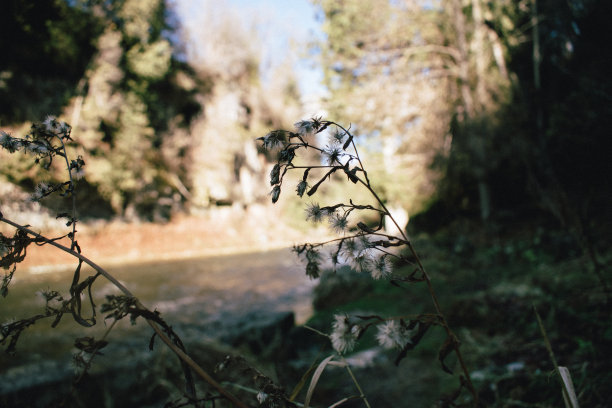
(122, 89)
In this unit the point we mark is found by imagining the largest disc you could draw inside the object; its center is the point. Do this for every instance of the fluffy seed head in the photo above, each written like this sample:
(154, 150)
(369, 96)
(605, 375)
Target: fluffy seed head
(344, 335)
(393, 334)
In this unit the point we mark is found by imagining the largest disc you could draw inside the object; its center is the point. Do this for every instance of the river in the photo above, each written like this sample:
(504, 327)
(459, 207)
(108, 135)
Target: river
(211, 292)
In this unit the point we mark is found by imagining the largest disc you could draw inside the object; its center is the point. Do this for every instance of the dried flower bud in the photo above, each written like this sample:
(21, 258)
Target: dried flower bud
(287, 155)
(312, 268)
(275, 193)
(275, 174)
(305, 127)
(301, 187)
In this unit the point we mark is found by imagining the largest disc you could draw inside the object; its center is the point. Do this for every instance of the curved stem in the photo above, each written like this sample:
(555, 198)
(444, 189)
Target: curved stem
(432, 292)
(74, 210)
(362, 394)
(180, 353)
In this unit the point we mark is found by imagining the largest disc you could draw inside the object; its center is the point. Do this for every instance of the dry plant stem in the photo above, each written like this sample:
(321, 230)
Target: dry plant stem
(361, 393)
(180, 353)
(432, 293)
(74, 210)
(436, 303)
(566, 391)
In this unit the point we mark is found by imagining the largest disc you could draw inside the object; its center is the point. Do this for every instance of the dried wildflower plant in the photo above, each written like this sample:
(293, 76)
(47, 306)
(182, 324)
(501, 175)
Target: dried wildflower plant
(367, 248)
(45, 142)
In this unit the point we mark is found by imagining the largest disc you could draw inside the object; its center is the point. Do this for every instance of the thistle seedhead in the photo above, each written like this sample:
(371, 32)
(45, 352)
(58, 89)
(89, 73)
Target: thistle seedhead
(332, 155)
(393, 334)
(344, 334)
(381, 267)
(337, 137)
(11, 144)
(306, 127)
(274, 139)
(40, 191)
(339, 223)
(315, 213)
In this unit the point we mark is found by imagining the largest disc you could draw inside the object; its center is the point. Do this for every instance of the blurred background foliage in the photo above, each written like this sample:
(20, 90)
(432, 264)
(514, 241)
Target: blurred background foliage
(161, 132)
(482, 108)
(467, 107)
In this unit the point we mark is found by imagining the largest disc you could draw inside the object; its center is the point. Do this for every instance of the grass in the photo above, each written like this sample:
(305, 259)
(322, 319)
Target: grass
(488, 288)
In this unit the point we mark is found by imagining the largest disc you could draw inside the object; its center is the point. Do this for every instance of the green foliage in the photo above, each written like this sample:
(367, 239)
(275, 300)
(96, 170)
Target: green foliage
(120, 81)
(539, 147)
(47, 46)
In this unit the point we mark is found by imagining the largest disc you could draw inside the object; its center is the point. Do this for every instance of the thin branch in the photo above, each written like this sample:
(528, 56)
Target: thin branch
(71, 187)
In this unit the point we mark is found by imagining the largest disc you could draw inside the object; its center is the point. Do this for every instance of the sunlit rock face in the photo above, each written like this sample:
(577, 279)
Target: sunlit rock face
(227, 168)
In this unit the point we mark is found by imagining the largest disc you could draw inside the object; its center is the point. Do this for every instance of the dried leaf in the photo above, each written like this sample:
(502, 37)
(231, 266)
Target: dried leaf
(450, 344)
(364, 227)
(352, 174)
(325, 126)
(314, 188)
(300, 385)
(348, 142)
(152, 341)
(90, 345)
(315, 379)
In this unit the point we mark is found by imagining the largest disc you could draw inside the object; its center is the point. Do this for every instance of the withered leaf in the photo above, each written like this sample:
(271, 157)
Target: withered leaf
(364, 227)
(314, 188)
(348, 142)
(450, 344)
(152, 341)
(90, 345)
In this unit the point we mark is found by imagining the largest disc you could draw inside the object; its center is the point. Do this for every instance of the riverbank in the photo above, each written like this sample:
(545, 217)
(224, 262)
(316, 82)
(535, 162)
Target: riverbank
(220, 231)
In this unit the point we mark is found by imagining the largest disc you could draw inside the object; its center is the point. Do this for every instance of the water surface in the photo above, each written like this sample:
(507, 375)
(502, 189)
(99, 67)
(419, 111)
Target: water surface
(198, 297)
